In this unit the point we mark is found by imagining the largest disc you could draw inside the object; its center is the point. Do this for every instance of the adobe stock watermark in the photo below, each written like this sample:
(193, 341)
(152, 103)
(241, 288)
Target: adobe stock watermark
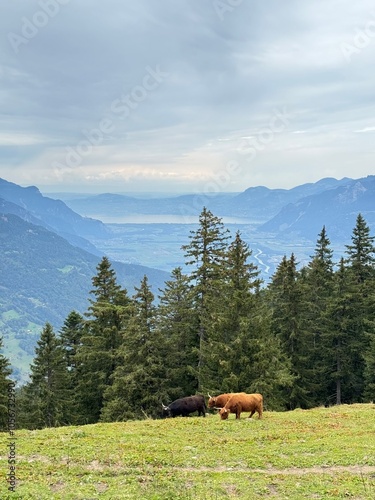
(121, 108)
(30, 26)
(248, 149)
(218, 182)
(279, 121)
(223, 7)
(11, 476)
(361, 39)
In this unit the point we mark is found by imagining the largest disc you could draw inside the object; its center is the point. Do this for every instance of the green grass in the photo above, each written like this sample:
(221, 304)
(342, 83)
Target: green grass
(66, 269)
(318, 454)
(11, 314)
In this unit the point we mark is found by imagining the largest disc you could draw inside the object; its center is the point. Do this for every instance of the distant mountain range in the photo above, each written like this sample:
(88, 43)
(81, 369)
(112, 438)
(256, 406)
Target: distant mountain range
(257, 203)
(301, 211)
(50, 248)
(336, 208)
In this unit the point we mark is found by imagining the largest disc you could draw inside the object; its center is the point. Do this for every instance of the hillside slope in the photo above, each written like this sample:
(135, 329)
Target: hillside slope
(52, 214)
(302, 454)
(336, 208)
(43, 278)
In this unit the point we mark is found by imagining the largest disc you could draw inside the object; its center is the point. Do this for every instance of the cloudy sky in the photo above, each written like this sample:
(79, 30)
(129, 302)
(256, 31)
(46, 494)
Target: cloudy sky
(185, 95)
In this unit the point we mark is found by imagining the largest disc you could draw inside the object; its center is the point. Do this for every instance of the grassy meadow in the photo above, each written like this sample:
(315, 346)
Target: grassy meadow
(321, 453)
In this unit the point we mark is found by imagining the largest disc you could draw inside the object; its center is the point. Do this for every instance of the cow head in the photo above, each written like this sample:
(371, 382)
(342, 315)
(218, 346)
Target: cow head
(224, 413)
(166, 410)
(211, 401)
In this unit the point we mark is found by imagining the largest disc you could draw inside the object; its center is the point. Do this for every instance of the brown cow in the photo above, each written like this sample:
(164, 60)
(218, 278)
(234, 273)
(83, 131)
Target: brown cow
(221, 400)
(243, 402)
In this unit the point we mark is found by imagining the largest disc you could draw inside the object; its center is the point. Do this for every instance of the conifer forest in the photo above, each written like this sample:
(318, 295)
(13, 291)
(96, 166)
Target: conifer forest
(303, 340)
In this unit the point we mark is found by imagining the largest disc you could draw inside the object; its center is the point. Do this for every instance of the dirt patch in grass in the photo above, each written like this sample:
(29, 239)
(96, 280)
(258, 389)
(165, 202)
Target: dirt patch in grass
(95, 465)
(333, 469)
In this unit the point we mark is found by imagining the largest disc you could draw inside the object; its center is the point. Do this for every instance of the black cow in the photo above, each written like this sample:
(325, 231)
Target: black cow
(185, 406)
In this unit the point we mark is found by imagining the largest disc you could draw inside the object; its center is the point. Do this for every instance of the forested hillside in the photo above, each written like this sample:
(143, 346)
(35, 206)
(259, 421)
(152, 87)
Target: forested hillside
(43, 278)
(305, 339)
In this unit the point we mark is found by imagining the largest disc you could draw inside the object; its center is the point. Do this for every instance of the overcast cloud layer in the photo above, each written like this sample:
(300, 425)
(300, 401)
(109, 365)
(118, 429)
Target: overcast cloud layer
(185, 95)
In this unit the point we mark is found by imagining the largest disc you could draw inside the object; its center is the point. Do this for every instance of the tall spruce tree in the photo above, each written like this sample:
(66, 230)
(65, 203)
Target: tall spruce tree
(139, 380)
(317, 280)
(340, 345)
(205, 256)
(361, 253)
(97, 356)
(5, 372)
(262, 364)
(346, 334)
(177, 327)
(369, 370)
(369, 324)
(70, 336)
(236, 303)
(287, 303)
(44, 401)
(359, 312)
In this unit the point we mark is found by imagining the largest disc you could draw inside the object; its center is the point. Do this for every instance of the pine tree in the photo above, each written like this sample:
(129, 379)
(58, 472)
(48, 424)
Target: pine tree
(317, 282)
(178, 330)
(206, 255)
(262, 365)
(341, 346)
(5, 372)
(369, 370)
(44, 400)
(139, 380)
(235, 304)
(369, 326)
(70, 336)
(361, 274)
(361, 253)
(97, 356)
(287, 303)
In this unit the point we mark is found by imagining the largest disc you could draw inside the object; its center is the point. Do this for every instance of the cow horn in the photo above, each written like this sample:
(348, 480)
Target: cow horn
(209, 395)
(164, 407)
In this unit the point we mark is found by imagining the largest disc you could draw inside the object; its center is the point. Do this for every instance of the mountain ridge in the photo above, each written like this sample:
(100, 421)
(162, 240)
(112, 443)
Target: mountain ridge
(258, 203)
(335, 208)
(52, 214)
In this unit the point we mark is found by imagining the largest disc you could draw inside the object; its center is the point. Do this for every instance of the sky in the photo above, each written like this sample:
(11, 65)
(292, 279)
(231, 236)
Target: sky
(185, 95)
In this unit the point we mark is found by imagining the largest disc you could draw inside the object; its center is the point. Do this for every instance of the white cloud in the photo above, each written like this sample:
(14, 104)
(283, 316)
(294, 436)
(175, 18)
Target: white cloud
(366, 129)
(20, 139)
(225, 78)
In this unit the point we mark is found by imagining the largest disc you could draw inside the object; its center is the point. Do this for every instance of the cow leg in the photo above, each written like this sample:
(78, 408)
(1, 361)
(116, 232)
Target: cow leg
(252, 413)
(238, 411)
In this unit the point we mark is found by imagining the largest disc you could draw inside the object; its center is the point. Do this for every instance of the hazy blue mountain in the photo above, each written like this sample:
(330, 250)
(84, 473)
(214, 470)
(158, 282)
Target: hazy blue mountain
(51, 213)
(262, 203)
(43, 278)
(117, 205)
(336, 208)
(7, 207)
(257, 203)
